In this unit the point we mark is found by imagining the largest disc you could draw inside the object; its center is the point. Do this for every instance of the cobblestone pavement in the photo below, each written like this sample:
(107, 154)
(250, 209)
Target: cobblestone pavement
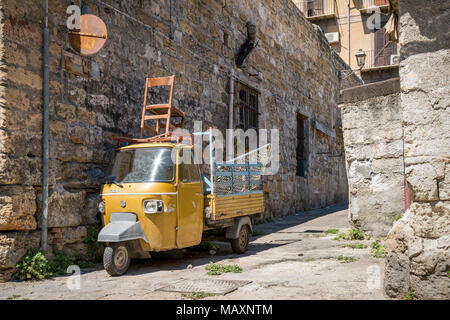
(288, 258)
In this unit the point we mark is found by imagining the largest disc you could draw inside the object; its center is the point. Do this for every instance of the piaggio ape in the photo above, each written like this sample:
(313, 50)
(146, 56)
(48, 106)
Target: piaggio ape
(153, 201)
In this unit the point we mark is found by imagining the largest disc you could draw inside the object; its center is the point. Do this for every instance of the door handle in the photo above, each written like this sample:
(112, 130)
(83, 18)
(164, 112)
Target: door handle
(199, 194)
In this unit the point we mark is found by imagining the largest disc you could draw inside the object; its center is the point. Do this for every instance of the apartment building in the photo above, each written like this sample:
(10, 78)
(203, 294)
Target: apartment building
(351, 25)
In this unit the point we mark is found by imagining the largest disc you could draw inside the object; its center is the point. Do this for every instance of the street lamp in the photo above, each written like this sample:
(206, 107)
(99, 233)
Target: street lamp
(361, 61)
(360, 58)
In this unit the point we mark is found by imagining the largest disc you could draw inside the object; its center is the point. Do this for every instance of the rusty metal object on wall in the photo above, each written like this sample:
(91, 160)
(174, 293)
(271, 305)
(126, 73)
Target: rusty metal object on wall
(92, 36)
(76, 64)
(80, 66)
(248, 45)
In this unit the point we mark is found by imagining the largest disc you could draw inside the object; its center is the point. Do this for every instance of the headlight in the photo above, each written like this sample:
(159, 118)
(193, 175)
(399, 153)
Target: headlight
(153, 206)
(101, 206)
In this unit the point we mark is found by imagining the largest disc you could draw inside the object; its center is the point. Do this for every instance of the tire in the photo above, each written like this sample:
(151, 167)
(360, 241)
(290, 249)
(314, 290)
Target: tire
(116, 259)
(240, 245)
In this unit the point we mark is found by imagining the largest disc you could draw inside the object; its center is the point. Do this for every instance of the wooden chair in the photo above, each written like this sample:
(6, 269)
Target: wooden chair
(160, 112)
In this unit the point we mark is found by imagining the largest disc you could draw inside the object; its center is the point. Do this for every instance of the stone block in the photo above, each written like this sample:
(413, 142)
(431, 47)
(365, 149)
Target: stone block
(17, 208)
(444, 184)
(13, 245)
(64, 208)
(24, 77)
(423, 180)
(66, 111)
(430, 220)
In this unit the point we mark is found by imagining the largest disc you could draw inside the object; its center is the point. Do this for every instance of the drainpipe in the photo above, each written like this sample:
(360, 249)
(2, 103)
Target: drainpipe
(230, 144)
(45, 130)
(348, 24)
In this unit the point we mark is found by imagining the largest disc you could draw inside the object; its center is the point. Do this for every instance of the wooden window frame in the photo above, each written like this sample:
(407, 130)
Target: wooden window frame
(249, 112)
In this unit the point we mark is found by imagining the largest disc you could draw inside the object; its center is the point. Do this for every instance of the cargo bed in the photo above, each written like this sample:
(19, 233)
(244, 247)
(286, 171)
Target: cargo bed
(227, 206)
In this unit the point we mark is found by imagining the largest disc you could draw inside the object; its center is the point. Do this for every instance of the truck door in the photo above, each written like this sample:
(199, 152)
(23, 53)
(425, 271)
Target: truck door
(190, 201)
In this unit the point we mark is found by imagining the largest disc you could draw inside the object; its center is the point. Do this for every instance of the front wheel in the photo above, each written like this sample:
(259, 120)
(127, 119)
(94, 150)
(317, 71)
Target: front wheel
(240, 244)
(116, 259)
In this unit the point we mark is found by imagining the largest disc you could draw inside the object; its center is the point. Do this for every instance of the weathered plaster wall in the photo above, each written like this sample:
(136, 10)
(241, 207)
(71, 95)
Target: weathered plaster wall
(418, 246)
(147, 39)
(372, 125)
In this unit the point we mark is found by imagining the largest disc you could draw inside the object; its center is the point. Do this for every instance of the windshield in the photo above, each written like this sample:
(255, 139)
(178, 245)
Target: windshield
(143, 165)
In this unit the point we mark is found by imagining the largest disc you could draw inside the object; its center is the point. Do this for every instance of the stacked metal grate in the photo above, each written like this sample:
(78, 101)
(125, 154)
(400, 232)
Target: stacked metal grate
(237, 178)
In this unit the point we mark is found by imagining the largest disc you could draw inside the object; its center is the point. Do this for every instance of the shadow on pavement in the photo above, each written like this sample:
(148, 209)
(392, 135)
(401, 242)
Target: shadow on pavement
(180, 259)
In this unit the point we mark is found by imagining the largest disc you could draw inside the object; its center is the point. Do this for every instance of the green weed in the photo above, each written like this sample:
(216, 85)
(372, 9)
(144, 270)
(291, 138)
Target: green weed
(340, 236)
(92, 243)
(355, 235)
(409, 296)
(32, 266)
(61, 261)
(344, 259)
(217, 269)
(357, 245)
(196, 295)
(351, 235)
(378, 249)
(35, 266)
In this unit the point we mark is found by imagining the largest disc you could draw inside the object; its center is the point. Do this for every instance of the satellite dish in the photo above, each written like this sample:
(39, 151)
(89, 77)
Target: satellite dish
(92, 36)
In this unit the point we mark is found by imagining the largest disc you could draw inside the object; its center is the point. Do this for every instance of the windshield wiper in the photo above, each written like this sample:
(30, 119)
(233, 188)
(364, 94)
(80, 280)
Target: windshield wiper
(112, 180)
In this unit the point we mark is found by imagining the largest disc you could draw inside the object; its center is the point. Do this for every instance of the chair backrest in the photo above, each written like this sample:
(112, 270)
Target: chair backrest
(164, 81)
(160, 115)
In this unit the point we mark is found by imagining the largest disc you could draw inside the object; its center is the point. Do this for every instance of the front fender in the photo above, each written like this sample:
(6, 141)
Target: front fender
(123, 226)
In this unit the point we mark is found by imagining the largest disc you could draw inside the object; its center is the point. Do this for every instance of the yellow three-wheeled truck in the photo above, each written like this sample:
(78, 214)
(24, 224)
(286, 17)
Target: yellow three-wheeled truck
(156, 197)
(154, 201)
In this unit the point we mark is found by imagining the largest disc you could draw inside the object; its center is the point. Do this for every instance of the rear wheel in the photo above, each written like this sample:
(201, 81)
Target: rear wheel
(116, 259)
(240, 245)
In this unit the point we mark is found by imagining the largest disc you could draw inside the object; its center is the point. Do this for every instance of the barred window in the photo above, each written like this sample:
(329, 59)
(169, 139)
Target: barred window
(247, 107)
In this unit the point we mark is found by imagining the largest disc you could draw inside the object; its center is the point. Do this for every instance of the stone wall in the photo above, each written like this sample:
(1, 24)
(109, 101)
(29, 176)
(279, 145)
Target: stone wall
(372, 125)
(94, 98)
(373, 75)
(418, 246)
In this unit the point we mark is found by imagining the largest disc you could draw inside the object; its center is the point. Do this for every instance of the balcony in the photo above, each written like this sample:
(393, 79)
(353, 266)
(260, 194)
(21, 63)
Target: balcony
(317, 9)
(368, 6)
(387, 58)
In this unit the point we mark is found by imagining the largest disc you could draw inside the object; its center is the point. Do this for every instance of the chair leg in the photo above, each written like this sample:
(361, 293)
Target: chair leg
(168, 123)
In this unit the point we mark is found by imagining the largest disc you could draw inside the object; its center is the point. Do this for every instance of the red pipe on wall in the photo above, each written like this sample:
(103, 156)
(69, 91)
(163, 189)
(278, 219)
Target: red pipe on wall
(407, 196)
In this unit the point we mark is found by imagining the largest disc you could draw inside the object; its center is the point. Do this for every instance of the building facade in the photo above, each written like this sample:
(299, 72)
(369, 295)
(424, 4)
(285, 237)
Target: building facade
(92, 98)
(351, 25)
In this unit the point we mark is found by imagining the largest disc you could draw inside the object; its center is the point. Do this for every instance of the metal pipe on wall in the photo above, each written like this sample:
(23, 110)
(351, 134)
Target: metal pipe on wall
(230, 144)
(348, 25)
(45, 131)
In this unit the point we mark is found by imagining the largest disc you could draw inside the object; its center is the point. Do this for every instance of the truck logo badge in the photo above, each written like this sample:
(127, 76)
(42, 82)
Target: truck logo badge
(123, 204)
